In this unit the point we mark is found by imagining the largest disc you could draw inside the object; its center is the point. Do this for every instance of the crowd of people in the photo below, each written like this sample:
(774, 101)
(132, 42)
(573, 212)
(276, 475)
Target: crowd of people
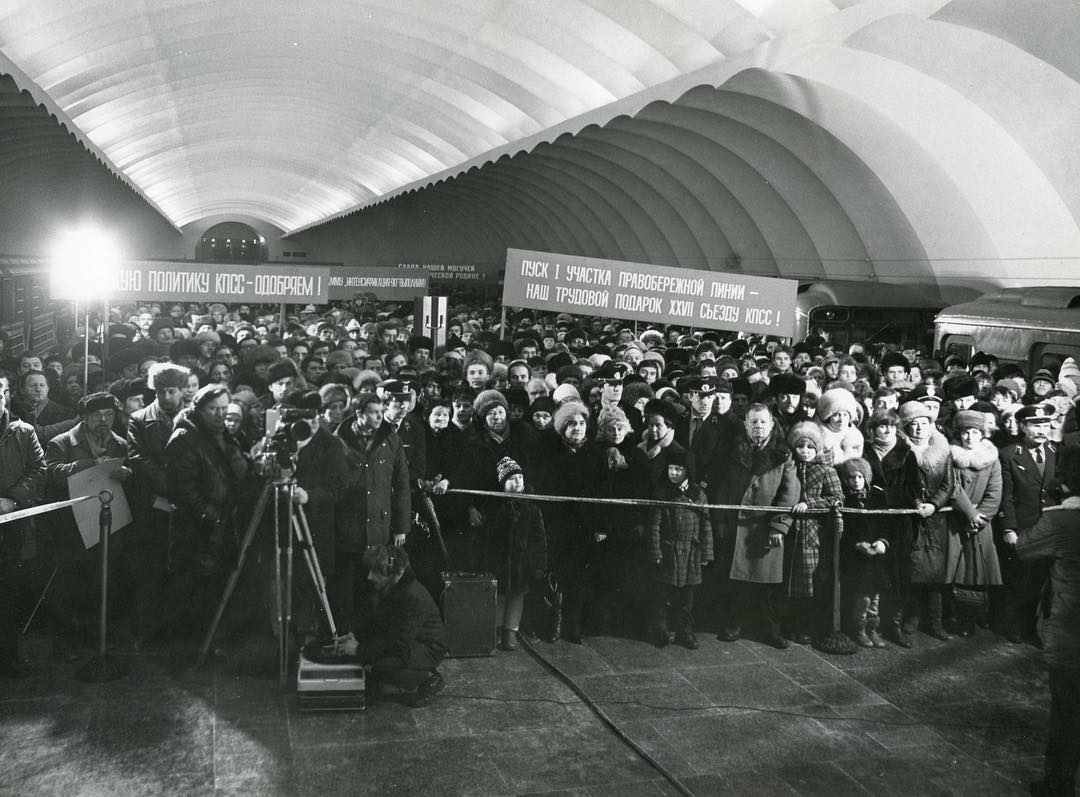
(749, 443)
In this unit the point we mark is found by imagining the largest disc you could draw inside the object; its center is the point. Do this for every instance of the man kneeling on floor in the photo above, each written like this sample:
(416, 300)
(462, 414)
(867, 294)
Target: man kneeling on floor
(399, 634)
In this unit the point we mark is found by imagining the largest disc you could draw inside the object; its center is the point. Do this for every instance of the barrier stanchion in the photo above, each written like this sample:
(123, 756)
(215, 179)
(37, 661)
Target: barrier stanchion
(836, 641)
(101, 668)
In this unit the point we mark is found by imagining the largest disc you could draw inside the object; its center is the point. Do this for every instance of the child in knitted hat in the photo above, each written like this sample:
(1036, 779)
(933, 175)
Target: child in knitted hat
(517, 549)
(863, 549)
(680, 543)
(809, 577)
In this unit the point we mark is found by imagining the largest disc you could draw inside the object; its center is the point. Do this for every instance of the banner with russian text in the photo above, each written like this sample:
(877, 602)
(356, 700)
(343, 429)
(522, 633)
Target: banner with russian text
(186, 281)
(459, 275)
(656, 294)
(387, 284)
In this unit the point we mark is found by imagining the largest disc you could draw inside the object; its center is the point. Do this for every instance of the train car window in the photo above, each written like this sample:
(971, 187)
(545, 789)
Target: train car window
(1052, 355)
(830, 315)
(964, 345)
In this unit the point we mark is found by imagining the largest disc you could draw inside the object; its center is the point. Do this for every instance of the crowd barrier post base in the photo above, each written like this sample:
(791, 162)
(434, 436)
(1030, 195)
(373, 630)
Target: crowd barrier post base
(836, 642)
(101, 668)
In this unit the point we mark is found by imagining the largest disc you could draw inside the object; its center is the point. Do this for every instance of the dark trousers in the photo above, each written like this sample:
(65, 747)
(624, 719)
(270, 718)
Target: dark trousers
(759, 605)
(406, 674)
(673, 607)
(147, 559)
(347, 577)
(1063, 744)
(9, 617)
(924, 601)
(1024, 585)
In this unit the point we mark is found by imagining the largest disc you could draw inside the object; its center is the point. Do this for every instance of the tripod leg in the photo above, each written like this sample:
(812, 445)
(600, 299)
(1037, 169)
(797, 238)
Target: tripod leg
(245, 544)
(307, 543)
(428, 507)
(286, 629)
(279, 614)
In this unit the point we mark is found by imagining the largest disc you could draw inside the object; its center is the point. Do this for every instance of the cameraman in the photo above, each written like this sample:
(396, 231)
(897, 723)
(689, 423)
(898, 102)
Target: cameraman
(204, 473)
(400, 636)
(321, 473)
(376, 507)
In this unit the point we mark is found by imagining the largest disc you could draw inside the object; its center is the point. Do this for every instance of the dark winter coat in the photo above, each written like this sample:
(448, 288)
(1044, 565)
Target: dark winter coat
(402, 624)
(322, 469)
(680, 537)
(929, 553)
(861, 574)
(973, 558)
(559, 470)
(764, 477)
(517, 543)
(204, 482)
(1054, 538)
(23, 476)
(1024, 491)
(616, 482)
(447, 458)
(898, 474)
(377, 504)
(53, 419)
(67, 454)
(414, 441)
(149, 430)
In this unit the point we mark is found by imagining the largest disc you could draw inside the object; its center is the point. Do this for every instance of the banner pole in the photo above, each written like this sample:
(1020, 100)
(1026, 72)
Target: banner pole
(281, 332)
(502, 324)
(86, 349)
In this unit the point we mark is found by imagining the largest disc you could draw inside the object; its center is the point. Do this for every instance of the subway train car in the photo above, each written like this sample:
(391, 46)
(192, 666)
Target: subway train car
(29, 319)
(1033, 327)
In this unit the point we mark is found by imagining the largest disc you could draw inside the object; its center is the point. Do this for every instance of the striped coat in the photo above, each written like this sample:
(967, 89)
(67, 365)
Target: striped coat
(680, 538)
(819, 487)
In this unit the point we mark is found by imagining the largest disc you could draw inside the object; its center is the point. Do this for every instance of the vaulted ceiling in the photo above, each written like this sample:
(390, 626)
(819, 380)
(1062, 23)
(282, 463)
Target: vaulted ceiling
(886, 139)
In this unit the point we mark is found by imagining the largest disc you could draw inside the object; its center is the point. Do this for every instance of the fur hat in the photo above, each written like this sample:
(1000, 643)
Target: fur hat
(505, 468)
(910, 410)
(787, 385)
(565, 392)
(609, 416)
(331, 392)
(835, 400)
(960, 386)
(98, 401)
(806, 430)
(486, 400)
(281, 370)
(633, 391)
(478, 356)
(856, 465)
(893, 358)
(1069, 370)
(542, 404)
(165, 375)
(566, 413)
(665, 409)
(967, 419)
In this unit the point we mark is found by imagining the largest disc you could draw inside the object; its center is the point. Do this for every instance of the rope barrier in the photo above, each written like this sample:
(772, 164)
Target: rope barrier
(20, 514)
(648, 502)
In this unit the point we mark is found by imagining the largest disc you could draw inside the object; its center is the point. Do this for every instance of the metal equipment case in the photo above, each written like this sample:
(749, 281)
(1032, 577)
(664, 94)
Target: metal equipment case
(470, 611)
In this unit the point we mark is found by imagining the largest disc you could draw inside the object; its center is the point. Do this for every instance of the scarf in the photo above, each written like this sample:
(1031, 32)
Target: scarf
(653, 449)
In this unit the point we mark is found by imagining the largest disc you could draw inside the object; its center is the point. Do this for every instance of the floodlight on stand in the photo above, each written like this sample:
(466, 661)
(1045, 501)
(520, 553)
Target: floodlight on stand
(85, 262)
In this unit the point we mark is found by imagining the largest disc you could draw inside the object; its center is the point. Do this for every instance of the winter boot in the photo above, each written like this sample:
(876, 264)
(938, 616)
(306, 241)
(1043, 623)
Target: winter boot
(508, 639)
(860, 636)
(556, 618)
(872, 625)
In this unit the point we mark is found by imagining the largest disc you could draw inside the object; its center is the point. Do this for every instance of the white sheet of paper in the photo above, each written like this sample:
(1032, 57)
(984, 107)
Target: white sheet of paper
(88, 514)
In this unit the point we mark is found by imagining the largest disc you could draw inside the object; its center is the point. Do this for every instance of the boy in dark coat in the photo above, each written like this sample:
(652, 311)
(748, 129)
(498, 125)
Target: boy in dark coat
(863, 570)
(680, 542)
(517, 549)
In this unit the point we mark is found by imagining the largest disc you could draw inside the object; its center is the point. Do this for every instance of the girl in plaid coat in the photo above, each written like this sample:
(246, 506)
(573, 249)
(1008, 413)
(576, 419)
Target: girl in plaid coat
(809, 582)
(680, 542)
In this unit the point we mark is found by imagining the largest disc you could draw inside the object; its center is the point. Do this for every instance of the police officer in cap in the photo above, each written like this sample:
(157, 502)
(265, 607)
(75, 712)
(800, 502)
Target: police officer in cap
(1027, 487)
(698, 431)
(610, 376)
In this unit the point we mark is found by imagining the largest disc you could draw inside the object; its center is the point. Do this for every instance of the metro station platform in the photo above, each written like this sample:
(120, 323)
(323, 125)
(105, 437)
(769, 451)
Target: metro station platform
(963, 717)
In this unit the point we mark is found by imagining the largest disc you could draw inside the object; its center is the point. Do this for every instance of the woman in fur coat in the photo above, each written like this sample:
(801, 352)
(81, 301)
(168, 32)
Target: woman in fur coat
(893, 468)
(807, 580)
(838, 415)
(929, 557)
(972, 557)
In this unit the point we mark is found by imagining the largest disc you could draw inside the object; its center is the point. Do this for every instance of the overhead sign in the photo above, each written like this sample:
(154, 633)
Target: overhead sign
(184, 281)
(643, 292)
(388, 284)
(459, 274)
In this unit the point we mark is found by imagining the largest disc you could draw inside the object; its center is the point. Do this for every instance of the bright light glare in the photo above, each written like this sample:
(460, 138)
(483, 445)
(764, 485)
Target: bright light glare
(84, 265)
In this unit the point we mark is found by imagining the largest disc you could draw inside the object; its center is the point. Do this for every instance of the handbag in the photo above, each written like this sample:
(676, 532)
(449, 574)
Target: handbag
(972, 599)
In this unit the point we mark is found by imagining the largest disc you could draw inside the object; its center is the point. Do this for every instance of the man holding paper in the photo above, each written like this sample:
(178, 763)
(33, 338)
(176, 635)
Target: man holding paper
(89, 444)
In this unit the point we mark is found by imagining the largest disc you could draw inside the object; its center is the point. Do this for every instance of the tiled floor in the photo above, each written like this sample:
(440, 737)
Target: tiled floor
(963, 717)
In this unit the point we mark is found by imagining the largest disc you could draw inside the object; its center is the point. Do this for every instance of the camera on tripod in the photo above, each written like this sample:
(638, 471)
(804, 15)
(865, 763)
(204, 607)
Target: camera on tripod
(286, 429)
